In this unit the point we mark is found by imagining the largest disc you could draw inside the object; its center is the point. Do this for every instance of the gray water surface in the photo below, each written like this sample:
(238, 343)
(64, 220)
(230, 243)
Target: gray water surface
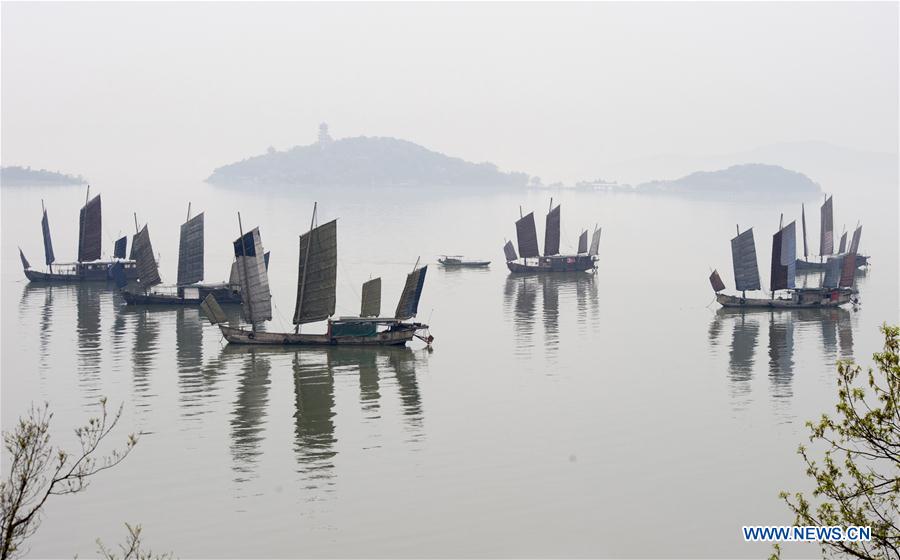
(610, 414)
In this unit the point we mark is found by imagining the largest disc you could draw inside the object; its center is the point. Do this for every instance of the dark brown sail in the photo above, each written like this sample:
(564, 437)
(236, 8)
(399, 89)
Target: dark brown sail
(743, 257)
(526, 234)
(509, 251)
(843, 245)
(317, 274)
(190, 251)
(408, 305)
(90, 231)
(49, 257)
(142, 251)
(826, 229)
(803, 221)
(583, 242)
(119, 248)
(551, 233)
(371, 298)
(716, 281)
(25, 264)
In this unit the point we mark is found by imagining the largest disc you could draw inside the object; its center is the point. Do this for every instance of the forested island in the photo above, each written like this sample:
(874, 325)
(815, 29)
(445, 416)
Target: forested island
(748, 178)
(362, 161)
(26, 176)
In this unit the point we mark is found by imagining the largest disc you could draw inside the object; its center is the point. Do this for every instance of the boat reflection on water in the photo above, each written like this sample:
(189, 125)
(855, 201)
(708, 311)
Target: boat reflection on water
(835, 332)
(559, 292)
(314, 371)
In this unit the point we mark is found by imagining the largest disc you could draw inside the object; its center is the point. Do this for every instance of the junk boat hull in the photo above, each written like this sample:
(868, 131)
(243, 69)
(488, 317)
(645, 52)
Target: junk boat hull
(97, 271)
(398, 334)
(556, 263)
(800, 299)
(223, 293)
(813, 266)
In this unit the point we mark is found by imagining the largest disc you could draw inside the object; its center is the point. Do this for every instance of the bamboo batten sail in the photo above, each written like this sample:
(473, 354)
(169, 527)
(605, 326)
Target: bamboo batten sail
(190, 251)
(843, 245)
(784, 258)
(833, 268)
(826, 231)
(526, 233)
(509, 251)
(256, 300)
(716, 281)
(235, 279)
(371, 298)
(119, 248)
(25, 264)
(142, 250)
(743, 257)
(551, 232)
(213, 310)
(854, 244)
(848, 270)
(117, 271)
(49, 257)
(583, 242)
(595, 243)
(408, 305)
(317, 274)
(803, 220)
(89, 231)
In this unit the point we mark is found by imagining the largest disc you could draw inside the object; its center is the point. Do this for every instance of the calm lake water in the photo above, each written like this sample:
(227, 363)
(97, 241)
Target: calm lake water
(613, 414)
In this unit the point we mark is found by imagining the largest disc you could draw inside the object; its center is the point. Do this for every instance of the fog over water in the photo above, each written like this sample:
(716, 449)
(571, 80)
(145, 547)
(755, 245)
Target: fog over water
(144, 95)
(613, 414)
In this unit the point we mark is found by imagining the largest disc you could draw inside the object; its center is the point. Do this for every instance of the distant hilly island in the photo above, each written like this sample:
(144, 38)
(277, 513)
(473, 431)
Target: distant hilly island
(757, 178)
(14, 176)
(392, 162)
(362, 161)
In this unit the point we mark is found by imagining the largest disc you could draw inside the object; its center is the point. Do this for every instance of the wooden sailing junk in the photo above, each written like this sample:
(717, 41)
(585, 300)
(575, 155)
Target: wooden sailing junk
(189, 289)
(89, 266)
(316, 298)
(552, 260)
(826, 241)
(837, 287)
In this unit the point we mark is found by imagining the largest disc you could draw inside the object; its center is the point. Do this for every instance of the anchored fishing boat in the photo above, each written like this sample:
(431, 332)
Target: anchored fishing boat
(88, 267)
(457, 261)
(837, 286)
(316, 298)
(826, 241)
(551, 260)
(189, 289)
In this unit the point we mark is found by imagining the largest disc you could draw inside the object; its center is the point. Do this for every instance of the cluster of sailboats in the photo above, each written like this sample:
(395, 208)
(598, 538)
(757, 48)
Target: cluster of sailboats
(529, 258)
(837, 271)
(139, 282)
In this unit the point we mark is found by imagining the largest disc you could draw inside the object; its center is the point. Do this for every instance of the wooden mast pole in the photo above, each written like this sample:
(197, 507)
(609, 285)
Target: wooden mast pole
(135, 225)
(312, 222)
(189, 212)
(415, 266)
(245, 292)
(737, 228)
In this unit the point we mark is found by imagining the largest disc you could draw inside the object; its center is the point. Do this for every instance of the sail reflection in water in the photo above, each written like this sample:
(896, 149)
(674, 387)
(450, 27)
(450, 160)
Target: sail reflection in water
(88, 303)
(831, 325)
(247, 422)
(189, 359)
(314, 409)
(559, 292)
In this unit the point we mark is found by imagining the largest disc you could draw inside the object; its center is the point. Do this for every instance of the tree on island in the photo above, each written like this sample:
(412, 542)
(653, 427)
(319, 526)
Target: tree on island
(858, 477)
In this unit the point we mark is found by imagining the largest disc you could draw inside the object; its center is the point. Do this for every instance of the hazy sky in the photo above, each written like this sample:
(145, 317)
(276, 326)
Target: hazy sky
(131, 94)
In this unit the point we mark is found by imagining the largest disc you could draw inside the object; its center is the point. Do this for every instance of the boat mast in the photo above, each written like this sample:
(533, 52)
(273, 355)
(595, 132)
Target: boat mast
(135, 225)
(245, 296)
(738, 228)
(312, 221)
(524, 260)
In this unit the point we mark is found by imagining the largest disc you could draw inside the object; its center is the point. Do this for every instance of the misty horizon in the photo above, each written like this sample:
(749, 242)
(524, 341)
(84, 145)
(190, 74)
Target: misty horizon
(569, 93)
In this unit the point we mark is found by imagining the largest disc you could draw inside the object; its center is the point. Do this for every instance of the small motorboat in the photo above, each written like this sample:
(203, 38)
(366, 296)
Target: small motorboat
(459, 261)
